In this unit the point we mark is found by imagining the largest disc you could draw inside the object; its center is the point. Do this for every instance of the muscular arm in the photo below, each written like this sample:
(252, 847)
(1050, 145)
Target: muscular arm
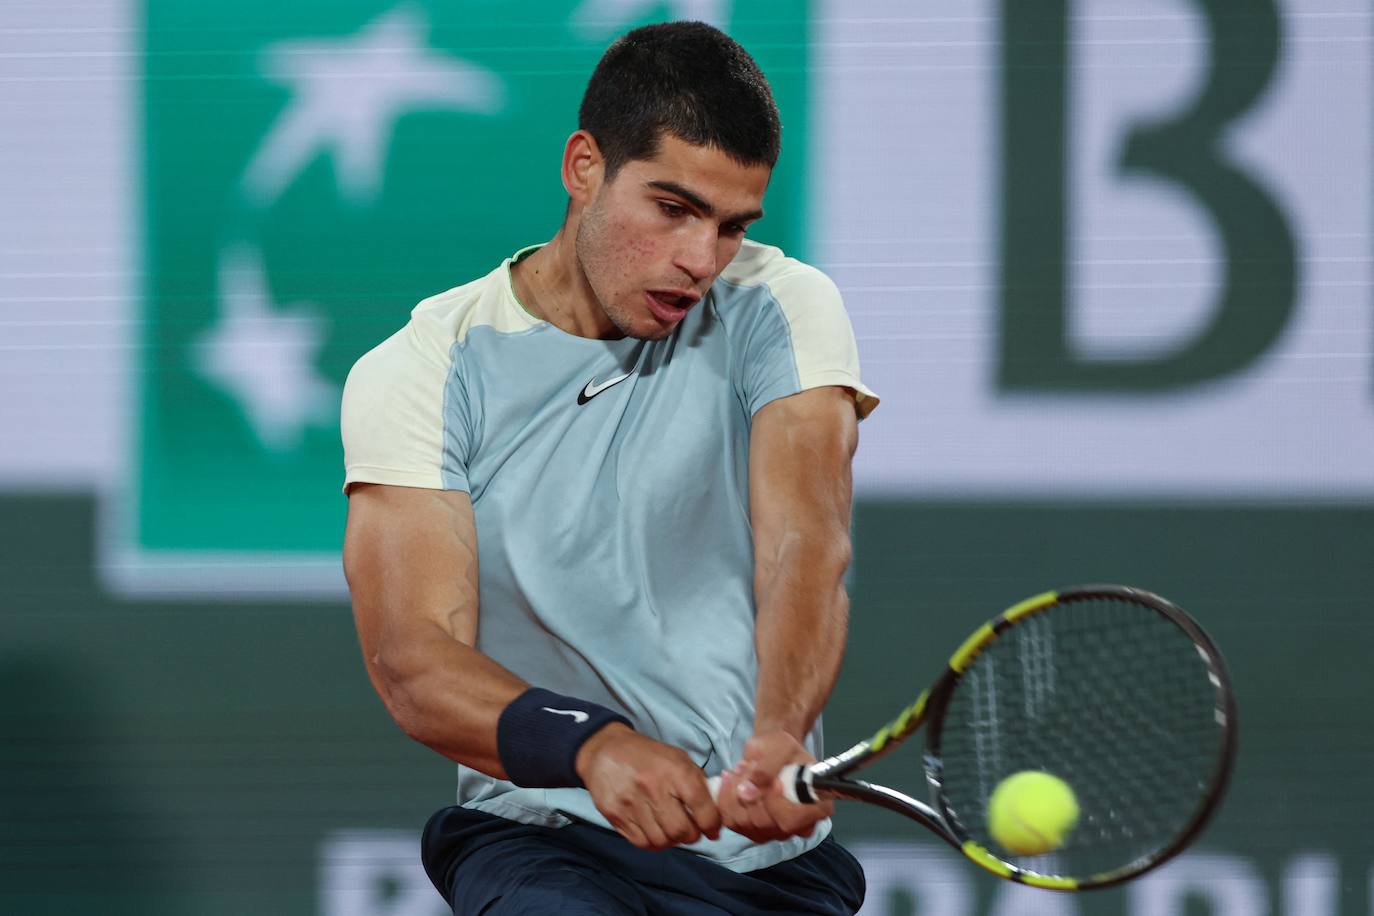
(410, 556)
(799, 498)
(799, 502)
(411, 560)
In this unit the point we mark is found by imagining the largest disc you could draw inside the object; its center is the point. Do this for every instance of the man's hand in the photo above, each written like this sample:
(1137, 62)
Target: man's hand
(653, 794)
(751, 800)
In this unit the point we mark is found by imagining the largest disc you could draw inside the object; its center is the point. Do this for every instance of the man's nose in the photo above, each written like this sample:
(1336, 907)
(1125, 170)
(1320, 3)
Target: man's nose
(697, 254)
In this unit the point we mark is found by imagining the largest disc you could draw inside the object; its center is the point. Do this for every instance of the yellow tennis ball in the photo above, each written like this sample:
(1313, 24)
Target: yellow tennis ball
(1031, 812)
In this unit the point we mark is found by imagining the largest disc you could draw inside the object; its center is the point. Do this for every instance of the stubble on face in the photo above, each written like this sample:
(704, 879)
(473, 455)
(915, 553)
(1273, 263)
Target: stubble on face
(597, 261)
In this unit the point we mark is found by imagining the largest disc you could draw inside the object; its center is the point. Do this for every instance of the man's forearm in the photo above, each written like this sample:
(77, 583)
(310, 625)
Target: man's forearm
(446, 695)
(803, 616)
(410, 557)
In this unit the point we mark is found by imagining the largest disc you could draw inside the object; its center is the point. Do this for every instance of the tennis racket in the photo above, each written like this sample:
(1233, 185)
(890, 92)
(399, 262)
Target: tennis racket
(1113, 690)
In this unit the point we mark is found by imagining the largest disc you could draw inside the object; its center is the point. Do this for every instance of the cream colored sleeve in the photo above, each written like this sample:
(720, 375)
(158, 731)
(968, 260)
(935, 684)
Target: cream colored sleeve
(404, 417)
(812, 346)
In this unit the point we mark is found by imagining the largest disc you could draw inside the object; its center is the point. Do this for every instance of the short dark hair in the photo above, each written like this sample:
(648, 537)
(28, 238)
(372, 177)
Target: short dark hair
(687, 79)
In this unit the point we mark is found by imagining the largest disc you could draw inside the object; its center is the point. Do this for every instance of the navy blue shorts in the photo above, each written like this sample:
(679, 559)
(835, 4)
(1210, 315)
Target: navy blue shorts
(484, 864)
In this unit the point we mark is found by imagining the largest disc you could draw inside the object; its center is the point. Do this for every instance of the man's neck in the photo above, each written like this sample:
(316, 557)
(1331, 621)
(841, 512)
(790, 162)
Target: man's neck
(551, 286)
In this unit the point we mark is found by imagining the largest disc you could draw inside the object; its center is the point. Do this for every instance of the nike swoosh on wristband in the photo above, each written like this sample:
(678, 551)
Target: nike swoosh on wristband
(578, 715)
(593, 389)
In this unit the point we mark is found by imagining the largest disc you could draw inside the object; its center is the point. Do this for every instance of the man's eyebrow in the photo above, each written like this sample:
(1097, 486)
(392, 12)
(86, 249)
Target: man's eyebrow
(672, 187)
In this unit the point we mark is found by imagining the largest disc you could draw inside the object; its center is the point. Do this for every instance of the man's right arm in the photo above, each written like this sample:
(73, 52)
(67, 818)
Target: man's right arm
(410, 556)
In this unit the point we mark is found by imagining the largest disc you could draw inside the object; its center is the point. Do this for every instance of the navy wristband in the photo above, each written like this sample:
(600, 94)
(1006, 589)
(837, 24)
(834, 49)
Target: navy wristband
(539, 734)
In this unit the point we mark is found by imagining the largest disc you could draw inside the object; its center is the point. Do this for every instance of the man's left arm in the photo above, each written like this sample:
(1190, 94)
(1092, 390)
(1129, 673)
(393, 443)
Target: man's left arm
(800, 452)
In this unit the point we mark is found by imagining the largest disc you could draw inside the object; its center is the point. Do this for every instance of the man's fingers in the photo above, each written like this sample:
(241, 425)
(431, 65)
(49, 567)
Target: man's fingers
(677, 824)
(797, 819)
(759, 823)
(708, 822)
(764, 756)
(653, 794)
(750, 790)
(654, 835)
(738, 784)
(758, 782)
(753, 798)
(734, 813)
(667, 822)
(696, 800)
(795, 822)
(770, 817)
(630, 831)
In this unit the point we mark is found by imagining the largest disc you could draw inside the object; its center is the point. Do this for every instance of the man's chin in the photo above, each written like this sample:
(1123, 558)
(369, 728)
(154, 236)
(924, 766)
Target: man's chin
(658, 332)
(646, 328)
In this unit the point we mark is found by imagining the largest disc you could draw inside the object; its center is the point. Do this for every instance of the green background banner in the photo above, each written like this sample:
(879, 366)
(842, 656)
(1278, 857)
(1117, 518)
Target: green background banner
(309, 178)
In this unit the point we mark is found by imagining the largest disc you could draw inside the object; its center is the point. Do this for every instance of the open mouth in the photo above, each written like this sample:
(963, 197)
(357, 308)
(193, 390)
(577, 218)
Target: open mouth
(667, 306)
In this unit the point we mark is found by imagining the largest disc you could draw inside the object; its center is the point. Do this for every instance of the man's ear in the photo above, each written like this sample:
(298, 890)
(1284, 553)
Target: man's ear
(583, 167)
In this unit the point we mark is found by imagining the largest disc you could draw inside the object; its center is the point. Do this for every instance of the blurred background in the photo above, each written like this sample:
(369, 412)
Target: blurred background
(1108, 263)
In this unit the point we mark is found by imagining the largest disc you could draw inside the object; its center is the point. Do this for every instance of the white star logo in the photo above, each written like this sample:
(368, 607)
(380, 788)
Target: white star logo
(264, 356)
(602, 18)
(346, 96)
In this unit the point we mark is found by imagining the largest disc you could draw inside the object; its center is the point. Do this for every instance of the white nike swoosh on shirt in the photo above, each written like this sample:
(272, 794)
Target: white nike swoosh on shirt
(593, 389)
(578, 715)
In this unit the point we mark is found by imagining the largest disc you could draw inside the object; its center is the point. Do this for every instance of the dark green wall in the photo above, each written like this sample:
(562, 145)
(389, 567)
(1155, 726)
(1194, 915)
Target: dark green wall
(190, 757)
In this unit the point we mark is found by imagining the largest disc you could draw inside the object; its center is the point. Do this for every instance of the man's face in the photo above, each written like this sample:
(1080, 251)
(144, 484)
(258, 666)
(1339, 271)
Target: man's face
(654, 239)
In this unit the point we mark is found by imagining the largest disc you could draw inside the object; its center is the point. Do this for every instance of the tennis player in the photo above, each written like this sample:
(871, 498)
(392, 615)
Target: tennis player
(643, 430)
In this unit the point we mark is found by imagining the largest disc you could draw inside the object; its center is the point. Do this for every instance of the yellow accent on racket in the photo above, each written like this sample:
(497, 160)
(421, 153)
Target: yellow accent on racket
(986, 859)
(1049, 882)
(971, 647)
(1030, 606)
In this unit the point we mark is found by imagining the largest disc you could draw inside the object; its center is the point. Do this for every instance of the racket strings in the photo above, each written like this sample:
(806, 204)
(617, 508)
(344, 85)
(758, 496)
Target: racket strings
(1109, 696)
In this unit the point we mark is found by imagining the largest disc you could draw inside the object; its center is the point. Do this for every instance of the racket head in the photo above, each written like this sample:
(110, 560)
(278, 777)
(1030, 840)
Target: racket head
(1112, 689)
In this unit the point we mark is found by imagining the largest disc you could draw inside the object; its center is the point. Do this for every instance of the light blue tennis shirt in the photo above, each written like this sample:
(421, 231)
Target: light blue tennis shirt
(610, 488)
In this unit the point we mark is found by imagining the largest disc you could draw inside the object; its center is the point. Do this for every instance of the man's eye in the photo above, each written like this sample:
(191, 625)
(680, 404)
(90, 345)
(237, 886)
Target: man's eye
(671, 209)
(735, 229)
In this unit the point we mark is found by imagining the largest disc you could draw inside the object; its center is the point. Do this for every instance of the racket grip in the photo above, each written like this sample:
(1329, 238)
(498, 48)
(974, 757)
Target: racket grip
(789, 776)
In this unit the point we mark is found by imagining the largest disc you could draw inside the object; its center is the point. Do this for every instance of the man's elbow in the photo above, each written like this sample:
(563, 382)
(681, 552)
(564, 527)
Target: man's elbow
(829, 550)
(841, 552)
(397, 680)
(818, 554)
